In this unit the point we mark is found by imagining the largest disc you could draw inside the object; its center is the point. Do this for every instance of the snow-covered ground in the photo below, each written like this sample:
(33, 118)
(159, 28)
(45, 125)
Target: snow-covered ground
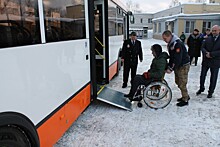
(195, 125)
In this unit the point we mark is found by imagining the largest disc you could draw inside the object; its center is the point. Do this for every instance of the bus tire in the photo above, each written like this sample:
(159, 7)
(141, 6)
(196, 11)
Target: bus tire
(13, 136)
(15, 126)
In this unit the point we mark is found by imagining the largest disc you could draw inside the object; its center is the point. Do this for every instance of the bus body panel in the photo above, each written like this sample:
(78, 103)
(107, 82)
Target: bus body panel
(115, 44)
(51, 130)
(42, 76)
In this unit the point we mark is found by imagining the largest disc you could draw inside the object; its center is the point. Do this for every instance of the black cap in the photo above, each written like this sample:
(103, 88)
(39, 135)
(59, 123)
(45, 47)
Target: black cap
(133, 34)
(196, 30)
(157, 48)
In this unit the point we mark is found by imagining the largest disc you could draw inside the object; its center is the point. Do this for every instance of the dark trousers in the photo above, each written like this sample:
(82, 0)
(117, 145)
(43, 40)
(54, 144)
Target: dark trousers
(127, 68)
(138, 80)
(213, 78)
(196, 60)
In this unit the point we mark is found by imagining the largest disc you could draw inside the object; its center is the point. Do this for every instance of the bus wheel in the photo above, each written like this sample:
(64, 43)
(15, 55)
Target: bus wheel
(12, 136)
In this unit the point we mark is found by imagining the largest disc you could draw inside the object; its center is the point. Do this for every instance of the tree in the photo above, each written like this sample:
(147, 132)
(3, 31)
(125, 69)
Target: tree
(174, 3)
(134, 7)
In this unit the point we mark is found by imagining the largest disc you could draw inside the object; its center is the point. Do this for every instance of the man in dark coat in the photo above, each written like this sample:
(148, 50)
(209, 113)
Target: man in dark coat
(179, 63)
(130, 51)
(156, 71)
(194, 43)
(211, 60)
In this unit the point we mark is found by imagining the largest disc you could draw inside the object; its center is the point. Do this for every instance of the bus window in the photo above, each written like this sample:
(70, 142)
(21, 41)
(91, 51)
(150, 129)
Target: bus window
(65, 20)
(112, 14)
(19, 23)
(120, 22)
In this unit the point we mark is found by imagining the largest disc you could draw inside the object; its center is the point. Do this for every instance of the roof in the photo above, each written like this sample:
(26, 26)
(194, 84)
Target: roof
(186, 15)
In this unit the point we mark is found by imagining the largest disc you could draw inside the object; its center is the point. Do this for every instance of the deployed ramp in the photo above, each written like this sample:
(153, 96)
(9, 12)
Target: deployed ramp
(115, 98)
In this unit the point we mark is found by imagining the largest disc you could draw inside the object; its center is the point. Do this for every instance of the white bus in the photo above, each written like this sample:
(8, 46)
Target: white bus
(53, 54)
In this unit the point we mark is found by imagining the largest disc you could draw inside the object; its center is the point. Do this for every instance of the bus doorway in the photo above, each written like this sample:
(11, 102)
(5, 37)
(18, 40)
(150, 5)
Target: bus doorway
(100, 49)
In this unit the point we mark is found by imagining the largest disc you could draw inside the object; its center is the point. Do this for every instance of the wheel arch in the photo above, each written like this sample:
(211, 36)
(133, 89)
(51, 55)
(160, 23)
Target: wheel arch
(23, 122)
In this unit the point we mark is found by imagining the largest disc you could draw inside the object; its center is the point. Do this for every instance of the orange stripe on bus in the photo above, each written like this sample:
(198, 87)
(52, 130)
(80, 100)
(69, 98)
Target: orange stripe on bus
(51, 131)
(113, 70)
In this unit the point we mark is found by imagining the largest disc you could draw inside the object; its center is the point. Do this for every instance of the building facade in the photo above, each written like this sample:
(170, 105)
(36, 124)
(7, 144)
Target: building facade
(186, 17)
(141, 23)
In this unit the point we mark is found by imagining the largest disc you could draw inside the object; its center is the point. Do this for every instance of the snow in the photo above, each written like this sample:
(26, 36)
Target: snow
(195, 125)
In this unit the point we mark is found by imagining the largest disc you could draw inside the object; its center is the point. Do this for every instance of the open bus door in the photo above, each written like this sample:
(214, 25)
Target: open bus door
(105, 94)
(100, 43)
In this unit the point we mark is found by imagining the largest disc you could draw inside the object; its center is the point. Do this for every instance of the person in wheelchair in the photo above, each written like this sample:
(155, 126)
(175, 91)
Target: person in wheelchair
(156, 71)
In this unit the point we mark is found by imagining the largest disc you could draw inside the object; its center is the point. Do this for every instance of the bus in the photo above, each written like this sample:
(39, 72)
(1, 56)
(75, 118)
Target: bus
(53, 56)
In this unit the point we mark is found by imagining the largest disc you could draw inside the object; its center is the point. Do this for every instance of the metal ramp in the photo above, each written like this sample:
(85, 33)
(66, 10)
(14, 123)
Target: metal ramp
(115, 98)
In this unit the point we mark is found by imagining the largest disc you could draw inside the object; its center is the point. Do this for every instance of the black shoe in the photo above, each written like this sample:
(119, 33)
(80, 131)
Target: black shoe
(181, 99)
(182, 103)
(124, 85)
(199, 91)
(209, 95)
(128, 95)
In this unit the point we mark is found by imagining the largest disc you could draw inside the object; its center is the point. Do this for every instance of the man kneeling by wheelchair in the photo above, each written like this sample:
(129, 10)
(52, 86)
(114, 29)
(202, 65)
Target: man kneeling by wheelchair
(156, 71)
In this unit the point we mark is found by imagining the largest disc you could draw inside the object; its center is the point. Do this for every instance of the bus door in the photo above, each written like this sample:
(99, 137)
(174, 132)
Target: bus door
(100, 48)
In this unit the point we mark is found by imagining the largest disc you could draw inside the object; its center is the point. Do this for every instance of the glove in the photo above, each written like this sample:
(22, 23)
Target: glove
(146, 75)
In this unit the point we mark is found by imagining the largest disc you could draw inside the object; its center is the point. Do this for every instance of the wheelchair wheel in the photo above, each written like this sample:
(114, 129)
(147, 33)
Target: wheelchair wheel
(165, 82)
(161, 100)
(139, 104)
(156, 90)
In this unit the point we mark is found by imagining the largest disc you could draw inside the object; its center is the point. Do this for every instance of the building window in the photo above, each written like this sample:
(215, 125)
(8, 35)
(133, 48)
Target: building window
(149, 20)
(155, 27)
(189, 26)
(206, 24)
(141, 20)
(159, 27)
(166, 25)
(172, 26)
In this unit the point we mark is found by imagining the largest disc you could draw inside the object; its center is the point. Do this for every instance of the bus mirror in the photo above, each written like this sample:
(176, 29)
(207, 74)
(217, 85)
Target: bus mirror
(132, 19)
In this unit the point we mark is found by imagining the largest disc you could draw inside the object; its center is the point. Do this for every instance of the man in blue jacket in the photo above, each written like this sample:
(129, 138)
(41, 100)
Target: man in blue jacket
(211, 60)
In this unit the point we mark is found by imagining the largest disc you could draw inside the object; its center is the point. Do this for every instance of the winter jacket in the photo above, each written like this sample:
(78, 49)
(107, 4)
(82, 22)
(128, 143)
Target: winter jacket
(194, 43)
(209, 45)
(158, 66)
(131, 52)
(178, 53)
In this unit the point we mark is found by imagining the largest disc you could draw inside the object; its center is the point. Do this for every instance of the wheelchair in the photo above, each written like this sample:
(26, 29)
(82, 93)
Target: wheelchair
(157, 94)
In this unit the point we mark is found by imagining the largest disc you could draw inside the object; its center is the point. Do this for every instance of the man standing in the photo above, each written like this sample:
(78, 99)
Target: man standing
(211, 60)
(130, 51)
(194, 43)
(179, 63)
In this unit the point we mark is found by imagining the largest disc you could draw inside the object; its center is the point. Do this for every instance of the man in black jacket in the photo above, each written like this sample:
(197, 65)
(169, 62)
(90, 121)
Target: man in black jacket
(179, 63)
(130, 51)
(211, 60)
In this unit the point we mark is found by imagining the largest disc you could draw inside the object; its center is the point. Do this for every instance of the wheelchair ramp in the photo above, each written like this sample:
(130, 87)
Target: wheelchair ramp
(114, 98)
